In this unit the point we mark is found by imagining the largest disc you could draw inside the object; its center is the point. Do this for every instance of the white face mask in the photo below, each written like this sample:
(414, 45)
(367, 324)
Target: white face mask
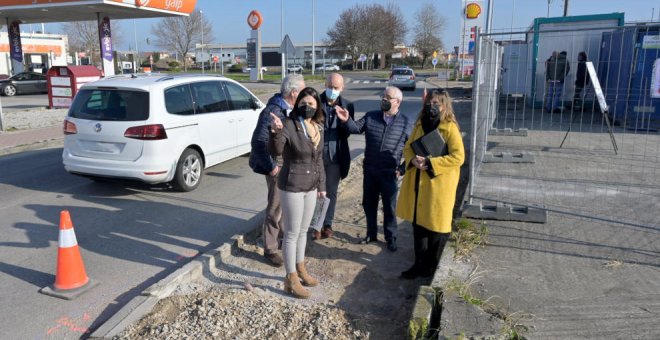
(332, 94)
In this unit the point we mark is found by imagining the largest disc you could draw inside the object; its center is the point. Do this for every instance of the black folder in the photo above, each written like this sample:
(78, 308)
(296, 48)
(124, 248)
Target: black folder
(430, 145)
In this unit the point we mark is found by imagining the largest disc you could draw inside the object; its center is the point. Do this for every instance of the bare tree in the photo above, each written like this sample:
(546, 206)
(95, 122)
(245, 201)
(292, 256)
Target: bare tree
(84, 36)
(427, 31)
(180, 34)
(368, 29)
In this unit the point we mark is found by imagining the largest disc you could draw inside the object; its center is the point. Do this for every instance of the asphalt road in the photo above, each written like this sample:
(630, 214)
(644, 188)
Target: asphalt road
(130, 235)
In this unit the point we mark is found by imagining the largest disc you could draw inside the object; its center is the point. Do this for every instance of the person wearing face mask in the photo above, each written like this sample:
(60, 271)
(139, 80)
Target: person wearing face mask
(263, 162)
(336, 153)
(386, 132)
(427, 197)
(299, 139)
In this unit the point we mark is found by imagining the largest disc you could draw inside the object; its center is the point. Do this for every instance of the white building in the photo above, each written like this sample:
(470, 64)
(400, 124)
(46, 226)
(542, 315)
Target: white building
(38, 49)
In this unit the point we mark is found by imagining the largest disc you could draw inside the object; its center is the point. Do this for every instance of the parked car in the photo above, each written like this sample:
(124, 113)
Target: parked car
(403, 78)
(296, 68)
(328, 67)
(24, 83)
(158, 128)
(246, 69)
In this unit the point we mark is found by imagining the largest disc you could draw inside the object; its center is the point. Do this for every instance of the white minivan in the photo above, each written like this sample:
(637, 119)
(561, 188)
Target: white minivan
(158, 128)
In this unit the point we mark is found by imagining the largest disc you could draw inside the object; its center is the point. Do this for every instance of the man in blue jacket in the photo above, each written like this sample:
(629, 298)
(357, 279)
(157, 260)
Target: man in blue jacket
(262, 162)
(386, 132)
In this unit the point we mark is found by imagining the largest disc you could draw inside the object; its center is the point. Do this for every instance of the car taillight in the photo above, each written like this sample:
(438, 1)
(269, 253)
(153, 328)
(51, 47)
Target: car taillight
(412, 77)
(70, 128)
(146, 132)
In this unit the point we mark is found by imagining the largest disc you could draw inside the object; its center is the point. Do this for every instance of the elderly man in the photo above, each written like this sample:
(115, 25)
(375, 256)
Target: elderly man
(336, 153)
(262, 162)
(386, 132)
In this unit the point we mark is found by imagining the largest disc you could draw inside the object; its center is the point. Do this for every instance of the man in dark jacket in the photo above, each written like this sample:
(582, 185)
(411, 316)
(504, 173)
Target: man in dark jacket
(581, 80)
(336, 153)
(386, 132)
(557, 67)
(262, 162)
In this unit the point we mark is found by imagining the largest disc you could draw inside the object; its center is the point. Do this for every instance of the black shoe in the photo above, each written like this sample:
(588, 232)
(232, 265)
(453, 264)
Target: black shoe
(275, 259)
(367, 240)
(411, 273)
(391, 245)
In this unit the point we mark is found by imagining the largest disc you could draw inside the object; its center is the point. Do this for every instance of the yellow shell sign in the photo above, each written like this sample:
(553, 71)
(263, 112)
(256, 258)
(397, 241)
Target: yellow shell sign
(472, 10)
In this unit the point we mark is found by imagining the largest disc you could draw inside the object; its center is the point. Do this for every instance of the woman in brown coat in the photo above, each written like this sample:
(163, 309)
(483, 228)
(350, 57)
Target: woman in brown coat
(427, 200)
(299, 139)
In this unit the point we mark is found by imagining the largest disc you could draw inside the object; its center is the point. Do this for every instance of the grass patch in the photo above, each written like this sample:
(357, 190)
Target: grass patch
(613, 264)
(467, 237)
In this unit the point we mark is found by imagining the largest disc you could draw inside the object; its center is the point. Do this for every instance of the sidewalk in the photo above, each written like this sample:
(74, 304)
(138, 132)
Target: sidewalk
(24, 140)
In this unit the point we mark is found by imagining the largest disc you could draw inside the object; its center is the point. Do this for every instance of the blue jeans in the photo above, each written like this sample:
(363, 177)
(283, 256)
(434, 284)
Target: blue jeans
(375, 186)
(553, 94)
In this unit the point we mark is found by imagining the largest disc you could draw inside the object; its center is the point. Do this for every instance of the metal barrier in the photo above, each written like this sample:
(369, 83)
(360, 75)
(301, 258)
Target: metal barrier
(540, 139)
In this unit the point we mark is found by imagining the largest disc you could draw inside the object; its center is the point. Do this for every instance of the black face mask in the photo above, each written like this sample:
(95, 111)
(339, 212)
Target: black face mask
(385, 105)
(306, 111)
(432, 110)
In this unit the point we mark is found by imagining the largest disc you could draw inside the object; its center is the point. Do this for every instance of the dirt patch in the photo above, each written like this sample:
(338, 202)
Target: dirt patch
(360, 294)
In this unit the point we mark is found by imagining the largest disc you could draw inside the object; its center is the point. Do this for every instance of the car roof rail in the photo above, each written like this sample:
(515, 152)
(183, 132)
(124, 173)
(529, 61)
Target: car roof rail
(134, 75)
(188, 75)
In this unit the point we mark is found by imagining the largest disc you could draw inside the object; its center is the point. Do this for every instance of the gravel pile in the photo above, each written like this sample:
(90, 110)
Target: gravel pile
(242, 314)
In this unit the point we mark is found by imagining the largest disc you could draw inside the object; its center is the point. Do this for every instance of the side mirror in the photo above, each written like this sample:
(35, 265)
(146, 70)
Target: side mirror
(254, 104)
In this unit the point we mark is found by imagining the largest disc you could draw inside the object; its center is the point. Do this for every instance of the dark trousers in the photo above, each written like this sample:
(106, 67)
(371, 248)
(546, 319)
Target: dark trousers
(428, 247)
(375, 186)
(272, 227)
(332, 178)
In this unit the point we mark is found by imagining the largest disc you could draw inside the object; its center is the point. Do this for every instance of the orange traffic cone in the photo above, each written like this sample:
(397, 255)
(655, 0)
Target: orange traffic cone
(71, 279)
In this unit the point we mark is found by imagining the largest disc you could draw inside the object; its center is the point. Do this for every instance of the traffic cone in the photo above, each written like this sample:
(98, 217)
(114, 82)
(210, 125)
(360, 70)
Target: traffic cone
(71, 279)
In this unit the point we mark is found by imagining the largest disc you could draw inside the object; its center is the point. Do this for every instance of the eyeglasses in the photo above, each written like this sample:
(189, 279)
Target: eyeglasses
(439, 91)
(388, 98)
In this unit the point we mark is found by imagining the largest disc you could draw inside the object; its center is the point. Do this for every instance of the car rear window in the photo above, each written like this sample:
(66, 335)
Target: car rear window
(110, 104)
(402, 72)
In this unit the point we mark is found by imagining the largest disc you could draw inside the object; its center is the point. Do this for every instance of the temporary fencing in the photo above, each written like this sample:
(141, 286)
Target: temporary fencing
(546, 137)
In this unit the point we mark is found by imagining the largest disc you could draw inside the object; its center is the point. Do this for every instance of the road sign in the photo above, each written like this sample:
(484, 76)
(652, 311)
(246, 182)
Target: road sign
(216, 59)
(287, 47)
(362, 57)
(434, 61)
(435, 54)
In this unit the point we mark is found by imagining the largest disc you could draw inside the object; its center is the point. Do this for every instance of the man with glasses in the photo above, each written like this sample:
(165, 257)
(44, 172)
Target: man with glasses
(386, 132)
(263, 162)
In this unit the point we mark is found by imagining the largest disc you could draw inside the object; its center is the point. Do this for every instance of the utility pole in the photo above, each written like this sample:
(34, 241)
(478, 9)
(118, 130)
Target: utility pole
(565, 8)
(313, 37)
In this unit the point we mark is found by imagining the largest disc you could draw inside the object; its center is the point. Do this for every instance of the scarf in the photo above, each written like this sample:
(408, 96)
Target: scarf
(312, 131)
(429, 124)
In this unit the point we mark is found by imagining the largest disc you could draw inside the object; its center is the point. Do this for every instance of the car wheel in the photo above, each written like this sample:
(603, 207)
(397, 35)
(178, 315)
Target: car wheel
(9, 90)
(188, 171)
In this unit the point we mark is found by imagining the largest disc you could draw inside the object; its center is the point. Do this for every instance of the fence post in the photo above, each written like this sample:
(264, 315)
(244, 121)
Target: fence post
(475, 114)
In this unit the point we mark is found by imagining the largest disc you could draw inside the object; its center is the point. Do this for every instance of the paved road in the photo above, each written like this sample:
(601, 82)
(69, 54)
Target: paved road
(22, 102)
(130, 235)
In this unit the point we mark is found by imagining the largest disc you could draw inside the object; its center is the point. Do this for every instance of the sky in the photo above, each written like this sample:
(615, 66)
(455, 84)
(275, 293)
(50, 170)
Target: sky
(230, 26)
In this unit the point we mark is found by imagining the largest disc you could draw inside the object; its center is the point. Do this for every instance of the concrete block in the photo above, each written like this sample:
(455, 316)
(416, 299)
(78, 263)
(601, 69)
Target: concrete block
(505, 212)
(422, 311)
(470, 321)
(508, 157)
(132, 312)
(508, 132)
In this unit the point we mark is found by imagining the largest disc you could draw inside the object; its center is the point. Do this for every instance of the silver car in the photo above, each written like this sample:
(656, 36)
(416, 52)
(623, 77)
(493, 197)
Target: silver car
(403, 78)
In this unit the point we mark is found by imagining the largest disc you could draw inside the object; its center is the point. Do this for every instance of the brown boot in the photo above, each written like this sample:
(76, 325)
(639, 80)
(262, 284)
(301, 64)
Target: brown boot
(307, 279)
(292, 285)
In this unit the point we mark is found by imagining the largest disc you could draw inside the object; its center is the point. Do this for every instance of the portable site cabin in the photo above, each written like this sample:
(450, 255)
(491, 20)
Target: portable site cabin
(572, 34)
(629, 70)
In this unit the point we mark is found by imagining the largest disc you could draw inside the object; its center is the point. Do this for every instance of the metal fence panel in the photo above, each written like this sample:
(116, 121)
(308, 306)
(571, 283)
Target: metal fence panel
(562, 154)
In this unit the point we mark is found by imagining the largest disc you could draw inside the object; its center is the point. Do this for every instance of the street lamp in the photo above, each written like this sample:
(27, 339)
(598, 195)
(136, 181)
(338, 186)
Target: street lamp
(201, 23)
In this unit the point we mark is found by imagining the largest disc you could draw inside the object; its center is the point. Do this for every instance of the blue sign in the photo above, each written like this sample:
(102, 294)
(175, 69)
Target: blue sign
(106, 39)
(16, 50)
(434, 61)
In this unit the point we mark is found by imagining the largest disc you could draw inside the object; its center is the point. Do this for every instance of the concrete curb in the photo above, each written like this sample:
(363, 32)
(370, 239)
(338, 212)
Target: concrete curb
(143, 304)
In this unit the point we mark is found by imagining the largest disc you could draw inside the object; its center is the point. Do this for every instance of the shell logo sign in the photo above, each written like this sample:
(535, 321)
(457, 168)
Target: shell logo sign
(255, 19)
(472, 10)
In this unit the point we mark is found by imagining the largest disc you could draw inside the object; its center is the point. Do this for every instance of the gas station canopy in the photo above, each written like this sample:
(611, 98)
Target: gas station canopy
(39, 11)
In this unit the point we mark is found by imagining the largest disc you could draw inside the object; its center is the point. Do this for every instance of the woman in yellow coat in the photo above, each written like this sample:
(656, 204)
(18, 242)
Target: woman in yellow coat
(429, 186)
